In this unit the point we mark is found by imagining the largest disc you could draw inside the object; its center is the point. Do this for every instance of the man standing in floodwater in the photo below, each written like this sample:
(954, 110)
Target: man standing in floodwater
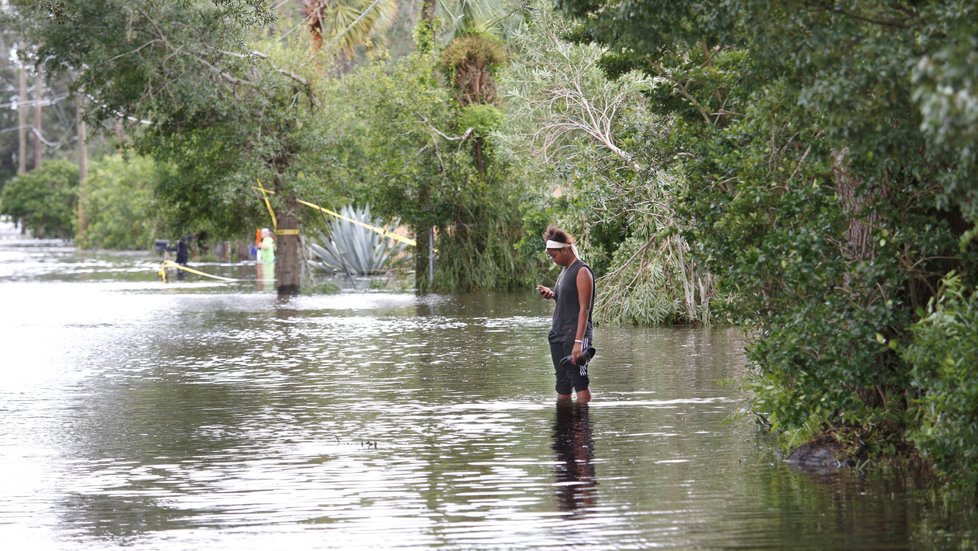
(570, 333)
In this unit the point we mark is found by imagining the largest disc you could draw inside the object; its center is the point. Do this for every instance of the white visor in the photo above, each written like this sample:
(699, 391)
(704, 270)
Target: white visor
(557, 245)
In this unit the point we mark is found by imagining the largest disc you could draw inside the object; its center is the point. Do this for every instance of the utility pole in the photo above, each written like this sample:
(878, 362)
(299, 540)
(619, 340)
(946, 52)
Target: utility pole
(38, 124)
(82, 162)
(431, 257)
(22, 121)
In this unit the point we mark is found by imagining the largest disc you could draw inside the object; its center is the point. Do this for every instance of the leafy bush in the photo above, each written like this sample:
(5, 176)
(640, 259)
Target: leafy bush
(117, 199)
(637, 292)
(44, 200)
(353, 249)
(481, 118)
(944, 354)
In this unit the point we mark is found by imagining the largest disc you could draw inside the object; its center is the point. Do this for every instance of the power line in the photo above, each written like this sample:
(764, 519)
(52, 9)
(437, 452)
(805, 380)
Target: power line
(35, 131)
(32, 102)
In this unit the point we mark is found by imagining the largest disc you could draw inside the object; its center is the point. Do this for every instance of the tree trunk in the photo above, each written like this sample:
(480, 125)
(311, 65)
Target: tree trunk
(38, 122)
(287, 248)
(82, 164)
(428, 10)
(421, 253)
(425, 35)
(855, 205)
(22, 123)
(480, 163)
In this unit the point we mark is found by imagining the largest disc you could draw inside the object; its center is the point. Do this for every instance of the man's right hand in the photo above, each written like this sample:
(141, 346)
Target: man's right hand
(545, 292)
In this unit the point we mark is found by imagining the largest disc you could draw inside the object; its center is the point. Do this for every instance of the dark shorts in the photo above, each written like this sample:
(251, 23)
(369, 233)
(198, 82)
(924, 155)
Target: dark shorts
(570, 377)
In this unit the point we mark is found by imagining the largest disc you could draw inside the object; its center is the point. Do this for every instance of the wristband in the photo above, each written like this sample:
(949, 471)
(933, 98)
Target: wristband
(578, 340)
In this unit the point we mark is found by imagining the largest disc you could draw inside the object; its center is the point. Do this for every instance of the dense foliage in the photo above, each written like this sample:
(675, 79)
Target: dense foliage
(203, 90)
(944, 355)
(122, 212)
(827, 186)
(44, 200)
(593, 142)
(399, 142)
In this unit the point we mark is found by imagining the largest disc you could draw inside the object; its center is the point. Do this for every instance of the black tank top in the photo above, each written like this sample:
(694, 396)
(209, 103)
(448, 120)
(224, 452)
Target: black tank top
(564, 327)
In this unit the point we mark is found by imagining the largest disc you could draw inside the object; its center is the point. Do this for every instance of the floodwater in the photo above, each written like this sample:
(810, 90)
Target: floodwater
(209, 415)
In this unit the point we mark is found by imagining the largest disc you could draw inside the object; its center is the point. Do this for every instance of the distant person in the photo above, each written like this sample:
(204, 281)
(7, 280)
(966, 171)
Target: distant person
(253, 249)
(183, 255)
(266, 258)
(183, 250)
(201, 239)
(266, 253)
(570, 332)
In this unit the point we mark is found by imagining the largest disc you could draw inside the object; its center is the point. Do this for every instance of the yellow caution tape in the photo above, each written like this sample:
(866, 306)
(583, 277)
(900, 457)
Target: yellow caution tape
(171, 264)
(382, 231)
(286, 232)
(264, 194)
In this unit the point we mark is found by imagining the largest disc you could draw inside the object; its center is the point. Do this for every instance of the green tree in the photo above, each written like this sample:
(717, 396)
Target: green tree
(349, 26)
(43, 201)
(413, 152)
(444, 21)
(945, 89)
(123, 212)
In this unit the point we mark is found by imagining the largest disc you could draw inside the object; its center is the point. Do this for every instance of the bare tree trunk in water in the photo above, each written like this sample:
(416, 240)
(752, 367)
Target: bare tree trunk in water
(38, 122)
(421, 252)
(424, 38)
(287, 248)
(22, 122)
(82, 163)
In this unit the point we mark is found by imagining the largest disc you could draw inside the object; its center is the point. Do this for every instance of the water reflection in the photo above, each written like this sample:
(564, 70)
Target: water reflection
(574, 471)
(264, 276)
(122, 520)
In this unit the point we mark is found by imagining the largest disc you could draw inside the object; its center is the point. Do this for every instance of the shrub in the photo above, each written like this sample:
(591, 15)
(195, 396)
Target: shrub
(944, 354)
(44, 200)
(117, 199)
(481, 118)
(352, 249)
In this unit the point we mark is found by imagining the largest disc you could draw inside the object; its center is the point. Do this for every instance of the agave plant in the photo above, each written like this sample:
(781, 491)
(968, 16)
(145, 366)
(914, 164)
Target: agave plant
(353, 249)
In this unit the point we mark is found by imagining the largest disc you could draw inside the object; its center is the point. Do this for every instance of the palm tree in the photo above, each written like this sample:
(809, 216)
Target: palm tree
(463, 17)
(346, 26)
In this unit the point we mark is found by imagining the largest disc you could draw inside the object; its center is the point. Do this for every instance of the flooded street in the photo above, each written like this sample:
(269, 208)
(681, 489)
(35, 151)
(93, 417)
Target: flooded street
(209, 415)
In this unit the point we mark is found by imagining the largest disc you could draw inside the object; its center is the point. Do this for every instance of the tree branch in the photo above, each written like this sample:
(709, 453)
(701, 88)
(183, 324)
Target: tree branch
(895, 23)
(285, 72)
